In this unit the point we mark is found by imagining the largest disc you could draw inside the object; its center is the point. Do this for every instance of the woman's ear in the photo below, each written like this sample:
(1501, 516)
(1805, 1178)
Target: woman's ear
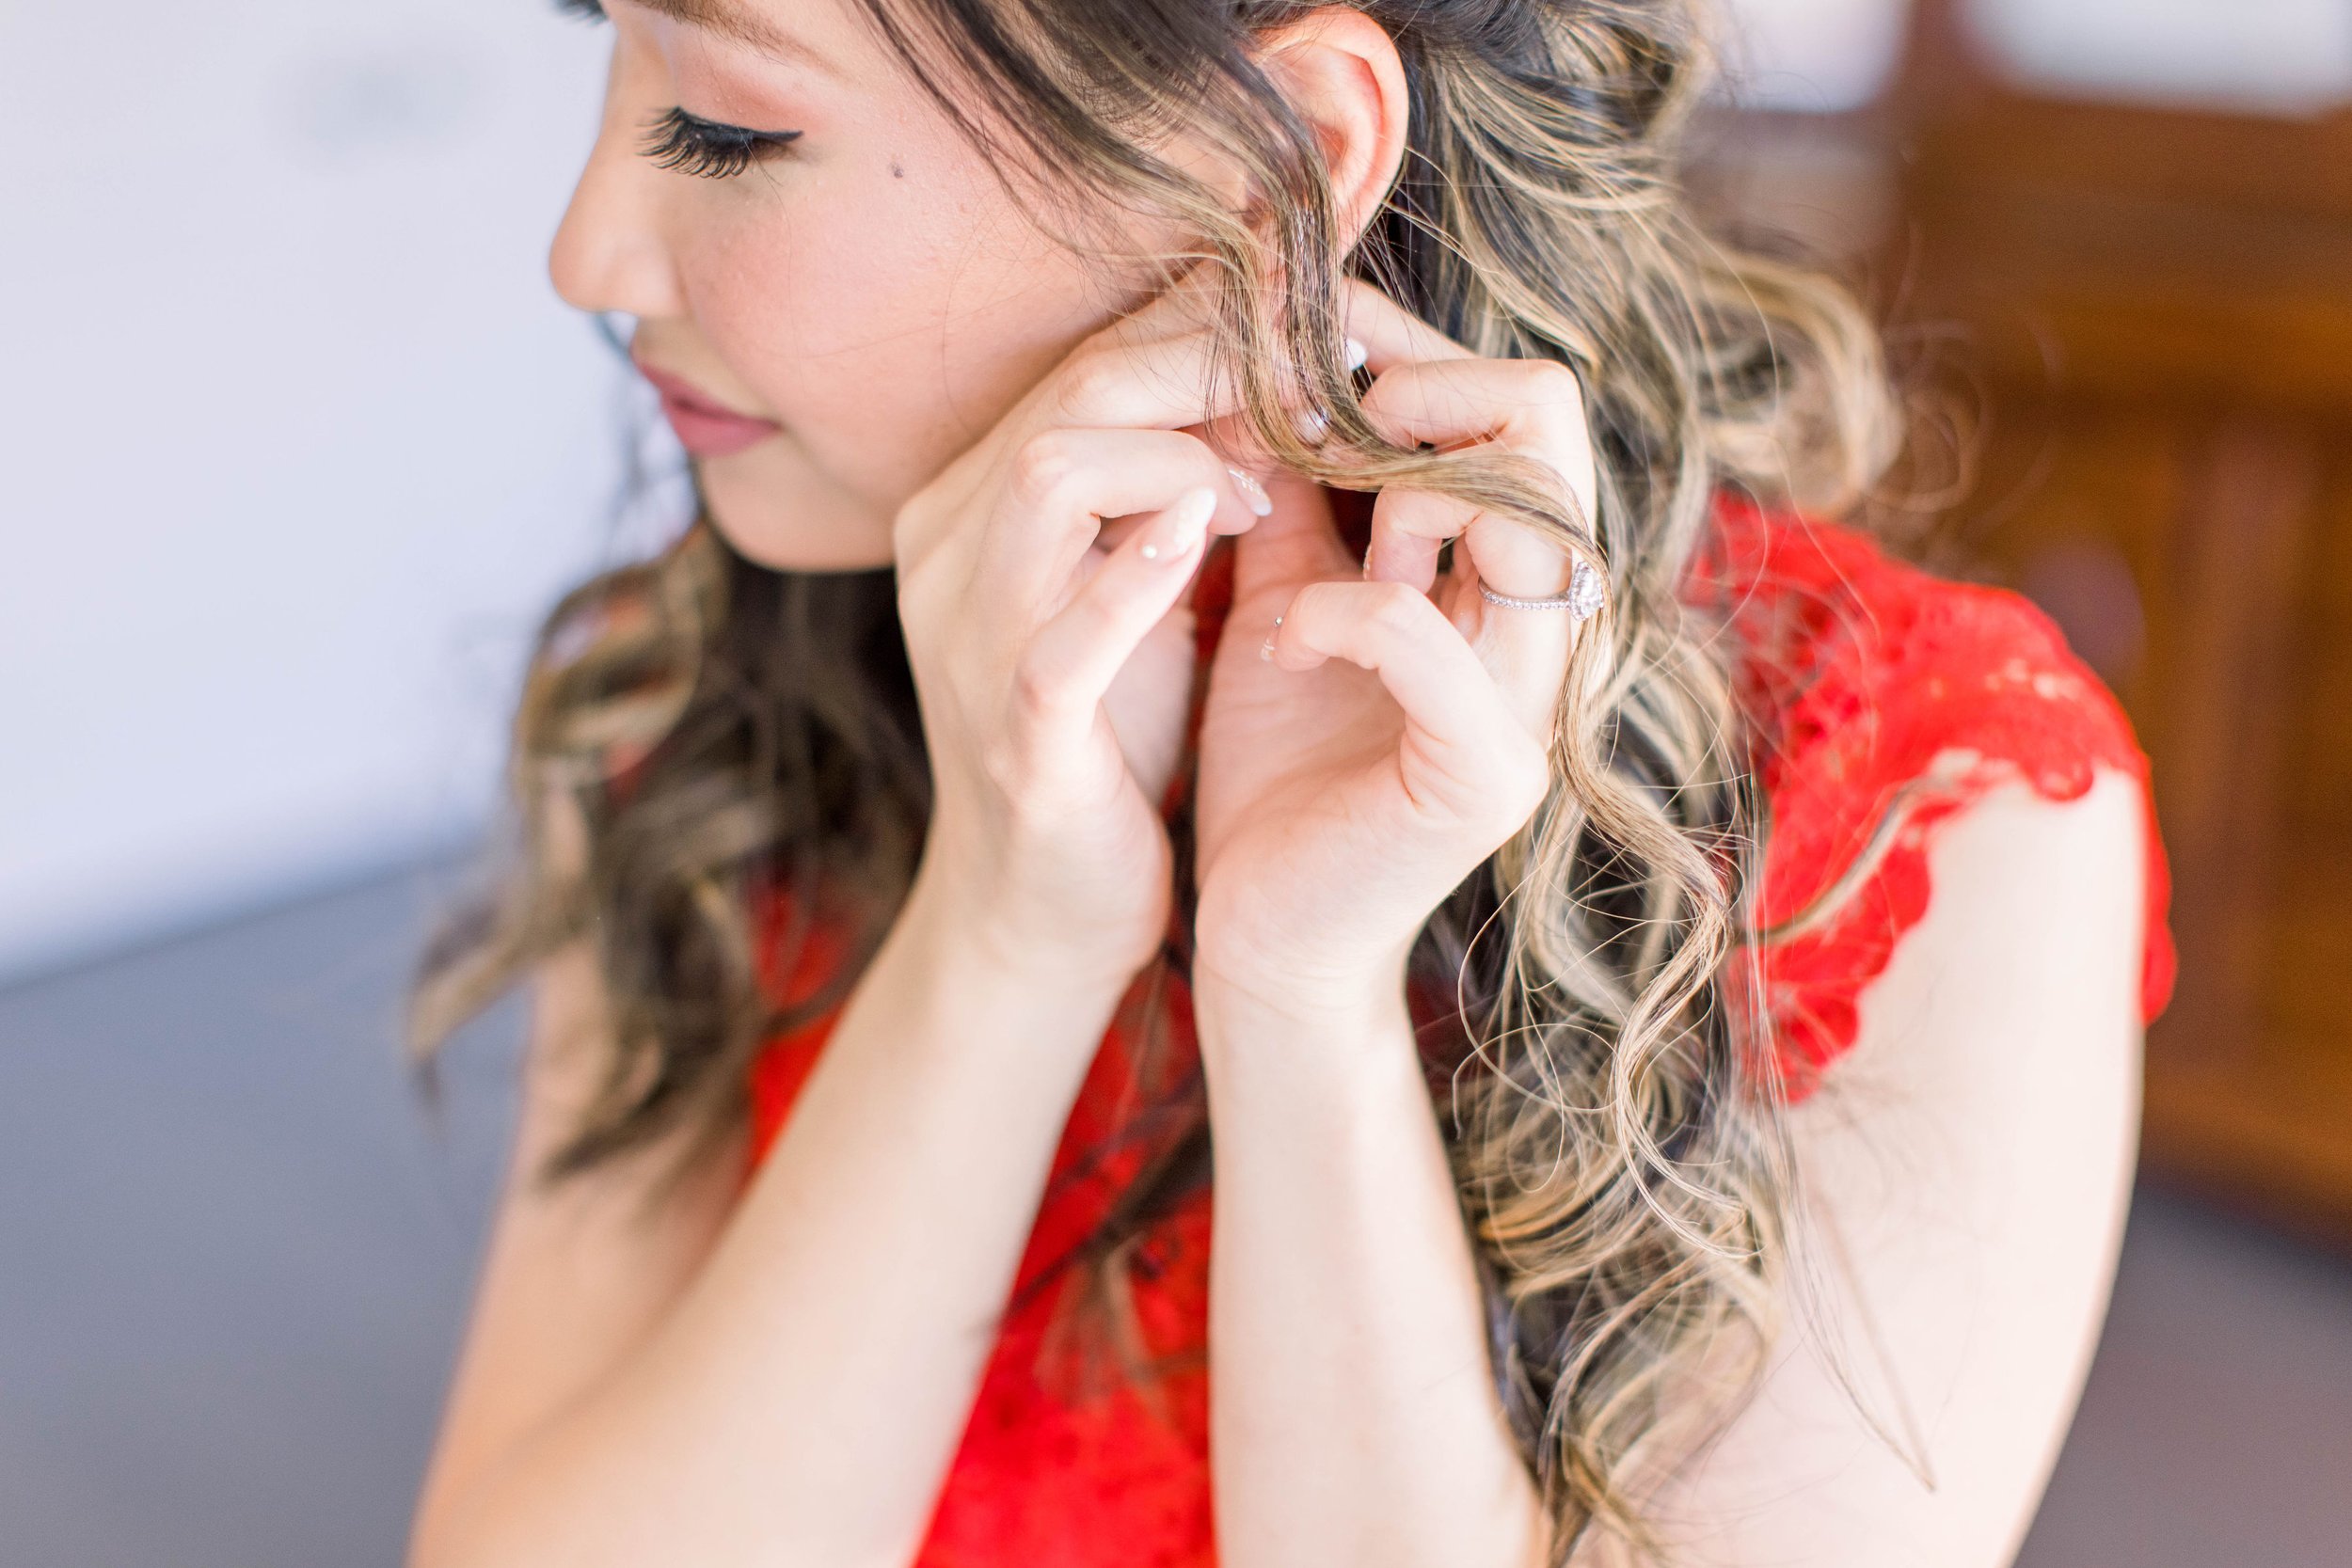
(1341, 71)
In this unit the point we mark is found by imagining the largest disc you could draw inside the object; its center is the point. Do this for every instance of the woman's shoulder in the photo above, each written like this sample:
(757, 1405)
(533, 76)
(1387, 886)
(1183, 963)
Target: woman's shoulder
(1843, 653)
(1878, 701)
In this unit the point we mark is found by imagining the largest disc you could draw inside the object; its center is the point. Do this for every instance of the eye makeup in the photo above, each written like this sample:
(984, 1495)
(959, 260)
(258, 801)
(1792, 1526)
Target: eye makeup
(696, 146)
(685, 141)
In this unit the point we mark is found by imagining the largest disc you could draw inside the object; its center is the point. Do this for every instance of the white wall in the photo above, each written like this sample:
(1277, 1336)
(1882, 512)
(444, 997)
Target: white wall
(2277, 57)
(1810, 55)
(296, 442)
(2280, 56)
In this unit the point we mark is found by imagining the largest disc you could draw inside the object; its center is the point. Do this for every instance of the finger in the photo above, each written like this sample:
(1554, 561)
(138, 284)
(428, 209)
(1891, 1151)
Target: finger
(1526, 650)
(1465, 750)
(1410, 528)
(1533, 408)
(1391, 334)
(1154, 367)
(1070, 662)
(1164, 383)
(1536, 406)
(1063, 484)
(1430, 389)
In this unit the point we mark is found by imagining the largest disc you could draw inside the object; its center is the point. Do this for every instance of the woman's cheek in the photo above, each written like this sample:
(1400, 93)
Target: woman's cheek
(787, 309)
(747, 280)
(853, 355)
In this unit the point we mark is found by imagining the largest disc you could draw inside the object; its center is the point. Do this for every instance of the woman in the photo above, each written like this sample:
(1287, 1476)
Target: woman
(1257, 573)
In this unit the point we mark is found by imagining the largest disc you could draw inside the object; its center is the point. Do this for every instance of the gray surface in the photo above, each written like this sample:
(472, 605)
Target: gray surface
(234, 1253)
(234, 1245)
(2216, 1429)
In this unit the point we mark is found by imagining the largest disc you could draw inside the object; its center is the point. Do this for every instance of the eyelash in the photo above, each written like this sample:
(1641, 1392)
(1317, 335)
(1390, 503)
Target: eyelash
(702, 147)
(690, 143)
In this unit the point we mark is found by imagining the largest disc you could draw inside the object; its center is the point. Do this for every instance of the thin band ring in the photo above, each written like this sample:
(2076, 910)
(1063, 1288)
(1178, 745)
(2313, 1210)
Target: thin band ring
(1581, 601)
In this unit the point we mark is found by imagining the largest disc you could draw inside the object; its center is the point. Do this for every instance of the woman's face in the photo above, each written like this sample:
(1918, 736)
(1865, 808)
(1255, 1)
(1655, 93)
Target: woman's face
(833, 321)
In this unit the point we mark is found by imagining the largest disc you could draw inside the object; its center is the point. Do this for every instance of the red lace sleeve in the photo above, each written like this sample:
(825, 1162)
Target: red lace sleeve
(1883, 700)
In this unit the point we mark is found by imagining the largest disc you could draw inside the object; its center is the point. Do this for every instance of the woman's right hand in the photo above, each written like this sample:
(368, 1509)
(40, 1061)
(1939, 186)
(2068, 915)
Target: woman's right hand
(1024, 613)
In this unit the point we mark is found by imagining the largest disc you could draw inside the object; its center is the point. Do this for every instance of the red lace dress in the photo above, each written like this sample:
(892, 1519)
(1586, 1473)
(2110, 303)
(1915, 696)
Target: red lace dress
(1882, 700)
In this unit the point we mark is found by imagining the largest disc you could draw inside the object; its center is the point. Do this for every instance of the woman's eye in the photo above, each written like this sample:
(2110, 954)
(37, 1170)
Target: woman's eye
(703, 147)
(587, 10)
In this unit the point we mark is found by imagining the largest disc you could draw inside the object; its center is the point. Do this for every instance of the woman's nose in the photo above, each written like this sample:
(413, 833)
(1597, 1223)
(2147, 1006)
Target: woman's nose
(611, 253)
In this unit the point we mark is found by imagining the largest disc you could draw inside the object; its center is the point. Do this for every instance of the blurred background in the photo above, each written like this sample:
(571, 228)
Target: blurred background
(299, 445)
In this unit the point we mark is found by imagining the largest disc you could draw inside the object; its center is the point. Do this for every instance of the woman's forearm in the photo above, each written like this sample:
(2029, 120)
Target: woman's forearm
(800, 1406)
(1355, 1417)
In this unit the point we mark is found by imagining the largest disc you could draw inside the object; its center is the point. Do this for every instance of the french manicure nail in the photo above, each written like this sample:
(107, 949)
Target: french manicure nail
(1193, 508)
(1356, 355)
(1180, 532)
(1252, 493)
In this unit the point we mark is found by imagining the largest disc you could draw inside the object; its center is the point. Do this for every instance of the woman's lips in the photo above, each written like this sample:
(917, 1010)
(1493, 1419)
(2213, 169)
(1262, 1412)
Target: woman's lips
(706, 428)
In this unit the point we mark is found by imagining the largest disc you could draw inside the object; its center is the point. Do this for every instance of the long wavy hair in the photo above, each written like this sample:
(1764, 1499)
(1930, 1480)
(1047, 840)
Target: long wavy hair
(736, 739)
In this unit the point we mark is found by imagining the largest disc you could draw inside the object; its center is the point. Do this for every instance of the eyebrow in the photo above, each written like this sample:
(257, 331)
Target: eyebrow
(730, 20)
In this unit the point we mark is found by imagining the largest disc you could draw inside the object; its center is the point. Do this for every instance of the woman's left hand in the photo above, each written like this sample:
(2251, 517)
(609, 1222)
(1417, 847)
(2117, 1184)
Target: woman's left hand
(1367, 751)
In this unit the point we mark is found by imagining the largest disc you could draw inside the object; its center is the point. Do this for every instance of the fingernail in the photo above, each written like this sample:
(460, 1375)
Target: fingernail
(1367, 571)
(1252, 493)
(1314, 424)
(1356, 355)
(1181, 530)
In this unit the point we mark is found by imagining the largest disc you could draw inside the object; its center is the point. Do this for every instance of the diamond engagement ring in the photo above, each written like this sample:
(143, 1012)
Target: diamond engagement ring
(1581, 601)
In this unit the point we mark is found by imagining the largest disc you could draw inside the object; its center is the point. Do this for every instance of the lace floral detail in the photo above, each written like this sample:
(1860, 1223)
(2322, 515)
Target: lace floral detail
(1881, 702)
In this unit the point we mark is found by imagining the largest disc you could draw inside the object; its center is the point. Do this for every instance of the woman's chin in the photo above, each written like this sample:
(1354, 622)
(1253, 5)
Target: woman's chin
(787, 524)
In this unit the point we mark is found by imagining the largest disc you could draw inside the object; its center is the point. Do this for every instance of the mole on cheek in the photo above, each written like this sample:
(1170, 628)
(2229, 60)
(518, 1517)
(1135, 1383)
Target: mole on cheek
(896, 172)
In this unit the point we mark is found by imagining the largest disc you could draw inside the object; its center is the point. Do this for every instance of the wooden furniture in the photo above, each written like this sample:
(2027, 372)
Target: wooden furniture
(2151, 311)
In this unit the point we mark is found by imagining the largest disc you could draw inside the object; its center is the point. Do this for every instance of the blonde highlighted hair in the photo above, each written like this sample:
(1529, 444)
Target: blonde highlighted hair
(728, 732)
